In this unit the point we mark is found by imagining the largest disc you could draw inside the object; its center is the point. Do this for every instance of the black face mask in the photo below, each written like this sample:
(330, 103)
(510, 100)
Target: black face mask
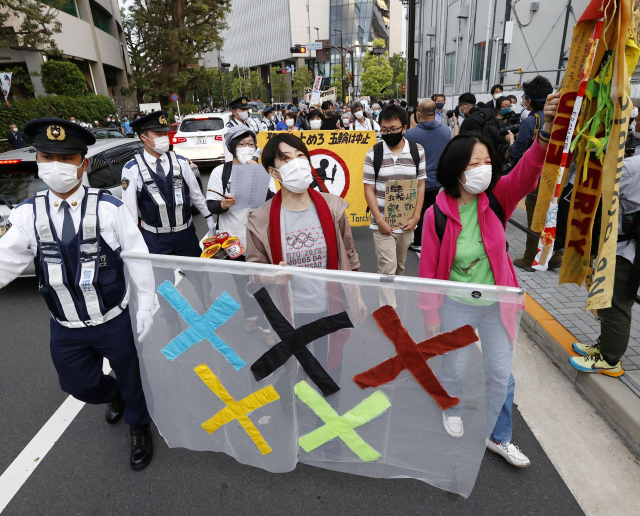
(329, 114)
(392, 139)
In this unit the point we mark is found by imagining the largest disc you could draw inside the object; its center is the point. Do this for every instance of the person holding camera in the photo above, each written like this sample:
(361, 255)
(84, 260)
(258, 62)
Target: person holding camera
(476, 119)
(533, 99)
(503, 124)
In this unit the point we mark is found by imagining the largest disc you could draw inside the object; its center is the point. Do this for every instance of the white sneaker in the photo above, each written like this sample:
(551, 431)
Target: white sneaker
(453, 425)
(510, 452)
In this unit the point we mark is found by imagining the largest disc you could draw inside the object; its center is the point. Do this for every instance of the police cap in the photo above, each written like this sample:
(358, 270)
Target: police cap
(59, 136)
(239, 103)
(156, 121)
(268, 110)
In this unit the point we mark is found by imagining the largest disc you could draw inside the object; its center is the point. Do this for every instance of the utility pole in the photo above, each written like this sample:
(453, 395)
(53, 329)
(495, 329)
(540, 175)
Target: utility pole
(412, 78)
(564, 38)
(222, 65)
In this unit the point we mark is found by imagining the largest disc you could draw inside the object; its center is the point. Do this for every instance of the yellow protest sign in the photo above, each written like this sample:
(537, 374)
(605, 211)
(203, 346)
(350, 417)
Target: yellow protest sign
(337, 159)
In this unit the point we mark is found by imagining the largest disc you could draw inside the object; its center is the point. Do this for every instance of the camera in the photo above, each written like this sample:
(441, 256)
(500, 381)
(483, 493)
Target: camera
(514, 128)
(452, 112)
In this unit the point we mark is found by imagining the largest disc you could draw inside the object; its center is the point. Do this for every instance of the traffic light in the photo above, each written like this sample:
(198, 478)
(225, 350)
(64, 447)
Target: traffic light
(404, 88)
(281, 71)
(298, 49)
(224, 67)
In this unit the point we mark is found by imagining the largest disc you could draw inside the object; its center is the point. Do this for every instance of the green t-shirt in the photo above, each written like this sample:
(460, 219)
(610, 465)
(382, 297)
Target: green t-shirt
(471, 264)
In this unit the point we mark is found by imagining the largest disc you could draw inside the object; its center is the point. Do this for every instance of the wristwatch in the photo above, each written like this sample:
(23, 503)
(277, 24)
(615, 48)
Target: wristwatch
(544, 134)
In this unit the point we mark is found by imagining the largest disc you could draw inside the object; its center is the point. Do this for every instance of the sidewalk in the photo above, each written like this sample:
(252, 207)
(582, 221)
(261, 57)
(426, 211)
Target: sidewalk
(555, 318)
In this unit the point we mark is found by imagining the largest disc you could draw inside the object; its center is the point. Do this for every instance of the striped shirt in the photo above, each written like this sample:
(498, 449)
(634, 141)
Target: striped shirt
(393, 167)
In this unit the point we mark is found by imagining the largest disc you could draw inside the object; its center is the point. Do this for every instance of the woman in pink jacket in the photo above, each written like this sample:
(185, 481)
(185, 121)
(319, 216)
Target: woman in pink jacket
(473, 249)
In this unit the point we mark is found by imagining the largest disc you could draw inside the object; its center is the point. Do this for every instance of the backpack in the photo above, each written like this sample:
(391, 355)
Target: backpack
(378, 151)
(441, 218)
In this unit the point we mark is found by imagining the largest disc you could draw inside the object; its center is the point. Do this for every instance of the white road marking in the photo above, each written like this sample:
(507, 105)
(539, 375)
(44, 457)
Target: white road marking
(24, 464)
(591, 458)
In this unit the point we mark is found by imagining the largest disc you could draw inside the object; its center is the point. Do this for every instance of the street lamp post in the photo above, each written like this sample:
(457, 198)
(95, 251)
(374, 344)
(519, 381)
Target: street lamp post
(342, 54)
(317, 33)
(220, 66)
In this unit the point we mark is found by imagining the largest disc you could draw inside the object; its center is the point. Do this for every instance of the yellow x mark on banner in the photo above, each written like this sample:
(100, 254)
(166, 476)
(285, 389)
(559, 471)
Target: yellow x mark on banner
(237, 409)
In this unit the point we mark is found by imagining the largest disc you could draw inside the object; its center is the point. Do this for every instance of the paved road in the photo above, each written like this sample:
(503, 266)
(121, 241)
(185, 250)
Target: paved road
(87, 471)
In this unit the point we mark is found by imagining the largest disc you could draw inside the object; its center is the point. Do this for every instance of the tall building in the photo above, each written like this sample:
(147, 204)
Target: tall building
(464, 45)
(261, 34)
(92, 38)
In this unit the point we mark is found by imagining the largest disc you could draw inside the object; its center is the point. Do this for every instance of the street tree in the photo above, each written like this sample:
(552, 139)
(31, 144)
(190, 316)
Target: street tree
(278, 85)
(30, 25)
(336, 78)
(377, 72)
(399, 64)
(164, 38)
(302, 78)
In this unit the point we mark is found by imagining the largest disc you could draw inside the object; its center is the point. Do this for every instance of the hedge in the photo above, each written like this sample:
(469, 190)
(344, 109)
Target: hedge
(63, 78)
(88, 108)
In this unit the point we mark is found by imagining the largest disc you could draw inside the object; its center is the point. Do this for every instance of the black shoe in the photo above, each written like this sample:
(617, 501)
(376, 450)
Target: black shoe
(115, 410)
(141, 446)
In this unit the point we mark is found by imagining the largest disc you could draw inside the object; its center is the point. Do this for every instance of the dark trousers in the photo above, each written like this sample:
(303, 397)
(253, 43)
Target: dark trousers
(615, 322)
(531, 248)
(429, 200)
(182, 243)
(77, 354)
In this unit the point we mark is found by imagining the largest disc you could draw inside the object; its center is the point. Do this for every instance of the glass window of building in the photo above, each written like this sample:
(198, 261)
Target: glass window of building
(449, 67)
(101, 18)
(478, 60)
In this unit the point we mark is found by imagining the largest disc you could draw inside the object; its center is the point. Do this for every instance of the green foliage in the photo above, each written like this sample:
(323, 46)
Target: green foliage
(336, 78)
(63, 78)
(20, 79)
(88, 108)
(278, 85)
(302, 78)
(164, 38)
(37, 24)
(377, 74)
(399, 65)
(252, 86)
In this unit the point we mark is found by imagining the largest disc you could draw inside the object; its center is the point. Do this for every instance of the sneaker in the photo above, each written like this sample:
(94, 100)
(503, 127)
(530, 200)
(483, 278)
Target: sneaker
(519, 262)
(510, 452)
(596, 364)
(587, 350)
(416, 248)
(453, 425)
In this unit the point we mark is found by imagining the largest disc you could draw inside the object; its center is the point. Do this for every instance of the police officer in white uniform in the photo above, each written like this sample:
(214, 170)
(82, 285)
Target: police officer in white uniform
(269, 123)
(75, 234)
(240, 112)
(159, 185)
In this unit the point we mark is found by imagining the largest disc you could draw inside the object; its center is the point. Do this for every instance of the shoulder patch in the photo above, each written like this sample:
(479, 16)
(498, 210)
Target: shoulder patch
(112, 200)
(130, 164)
(30, 200)
(125, 183)
(5, 228)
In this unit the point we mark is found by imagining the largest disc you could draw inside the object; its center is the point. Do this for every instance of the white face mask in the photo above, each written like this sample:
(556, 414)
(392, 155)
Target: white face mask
(60, 177)
(290, 122)
(244, 115)
(345, 122)
(315, 124)
(634, 112)
(296, 175)
(15, 129)
(161, 144)
(244, 154)
(497, 95)
(478, 179)
(358, 114)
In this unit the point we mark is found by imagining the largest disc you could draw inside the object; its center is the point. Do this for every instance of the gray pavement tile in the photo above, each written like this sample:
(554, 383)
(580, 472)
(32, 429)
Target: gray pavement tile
(569, 310)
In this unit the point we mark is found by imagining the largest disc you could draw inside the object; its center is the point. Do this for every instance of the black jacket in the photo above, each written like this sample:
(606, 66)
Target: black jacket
(19, 140)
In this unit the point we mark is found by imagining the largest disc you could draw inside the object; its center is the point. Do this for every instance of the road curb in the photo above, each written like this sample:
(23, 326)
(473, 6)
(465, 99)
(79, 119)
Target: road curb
(614, 401)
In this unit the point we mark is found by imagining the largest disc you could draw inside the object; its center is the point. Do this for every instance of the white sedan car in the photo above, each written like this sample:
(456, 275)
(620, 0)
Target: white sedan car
(199, 138)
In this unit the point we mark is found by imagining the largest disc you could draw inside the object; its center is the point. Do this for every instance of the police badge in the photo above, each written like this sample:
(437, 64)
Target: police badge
(125, 183)
(4, 229)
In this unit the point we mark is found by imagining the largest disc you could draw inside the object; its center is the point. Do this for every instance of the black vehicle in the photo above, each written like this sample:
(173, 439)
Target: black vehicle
(104, 133)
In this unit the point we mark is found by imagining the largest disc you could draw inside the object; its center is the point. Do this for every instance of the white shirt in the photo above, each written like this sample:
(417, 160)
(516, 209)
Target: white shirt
(19, 245)
(131, 173)
(232, 221)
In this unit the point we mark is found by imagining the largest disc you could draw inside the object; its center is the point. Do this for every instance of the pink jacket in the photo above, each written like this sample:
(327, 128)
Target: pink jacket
(436, 260)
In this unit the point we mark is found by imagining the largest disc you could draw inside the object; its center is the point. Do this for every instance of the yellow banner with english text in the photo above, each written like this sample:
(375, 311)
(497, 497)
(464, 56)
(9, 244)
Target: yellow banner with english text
(337, 159)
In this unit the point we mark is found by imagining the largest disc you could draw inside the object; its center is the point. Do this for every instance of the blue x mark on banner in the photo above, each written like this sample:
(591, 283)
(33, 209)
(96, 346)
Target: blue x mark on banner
(201, 327)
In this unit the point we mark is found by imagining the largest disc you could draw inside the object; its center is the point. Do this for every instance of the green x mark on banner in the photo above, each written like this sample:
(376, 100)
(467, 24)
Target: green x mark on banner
(341, 426)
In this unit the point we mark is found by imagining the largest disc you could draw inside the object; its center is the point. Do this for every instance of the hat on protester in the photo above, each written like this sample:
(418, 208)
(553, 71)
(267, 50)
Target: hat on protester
(59, 136)
(268, 110)
(293, 110)
(239, 103)
(156, 121)
(238, 130)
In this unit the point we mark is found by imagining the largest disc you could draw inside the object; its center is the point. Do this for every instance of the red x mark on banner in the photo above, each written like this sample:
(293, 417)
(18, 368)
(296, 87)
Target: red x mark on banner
(414, 356)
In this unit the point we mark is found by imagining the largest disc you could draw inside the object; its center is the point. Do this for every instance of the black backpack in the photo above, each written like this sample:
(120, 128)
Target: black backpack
(441, 218)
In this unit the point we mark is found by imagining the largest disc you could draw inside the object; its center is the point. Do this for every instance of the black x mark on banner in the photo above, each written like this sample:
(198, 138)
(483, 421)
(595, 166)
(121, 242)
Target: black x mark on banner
(295, 341)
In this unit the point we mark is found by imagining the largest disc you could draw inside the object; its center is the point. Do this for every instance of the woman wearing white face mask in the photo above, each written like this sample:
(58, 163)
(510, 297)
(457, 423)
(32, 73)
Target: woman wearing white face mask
(463, 239)
(315, 120)
(305, 228)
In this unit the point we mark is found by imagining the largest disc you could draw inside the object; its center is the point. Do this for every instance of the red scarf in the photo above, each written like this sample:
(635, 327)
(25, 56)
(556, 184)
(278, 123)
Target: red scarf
(336, 340)
(326, 221)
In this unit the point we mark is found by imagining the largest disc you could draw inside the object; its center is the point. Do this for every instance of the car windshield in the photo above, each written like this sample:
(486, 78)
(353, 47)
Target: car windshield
(102, 135)
(208, 124)
(19, 181)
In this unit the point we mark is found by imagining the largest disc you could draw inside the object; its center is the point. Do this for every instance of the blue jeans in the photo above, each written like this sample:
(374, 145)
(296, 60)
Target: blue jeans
(497, 355)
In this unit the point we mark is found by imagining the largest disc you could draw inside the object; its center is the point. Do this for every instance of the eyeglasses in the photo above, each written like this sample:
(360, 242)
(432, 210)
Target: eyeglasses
(242, 145)
(394, 130)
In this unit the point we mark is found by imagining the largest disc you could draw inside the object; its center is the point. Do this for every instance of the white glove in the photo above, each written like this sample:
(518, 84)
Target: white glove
(212, 225)
(145, 321)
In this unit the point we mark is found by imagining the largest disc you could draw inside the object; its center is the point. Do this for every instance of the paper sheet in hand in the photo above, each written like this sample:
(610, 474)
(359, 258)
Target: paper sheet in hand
(249, 186)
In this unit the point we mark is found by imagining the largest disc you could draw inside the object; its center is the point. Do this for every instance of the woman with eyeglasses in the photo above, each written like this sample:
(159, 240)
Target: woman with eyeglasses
(241, 143)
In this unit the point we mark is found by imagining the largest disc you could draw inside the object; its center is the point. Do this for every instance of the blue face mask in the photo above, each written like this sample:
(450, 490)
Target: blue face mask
(505, 111)
(439, 105)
